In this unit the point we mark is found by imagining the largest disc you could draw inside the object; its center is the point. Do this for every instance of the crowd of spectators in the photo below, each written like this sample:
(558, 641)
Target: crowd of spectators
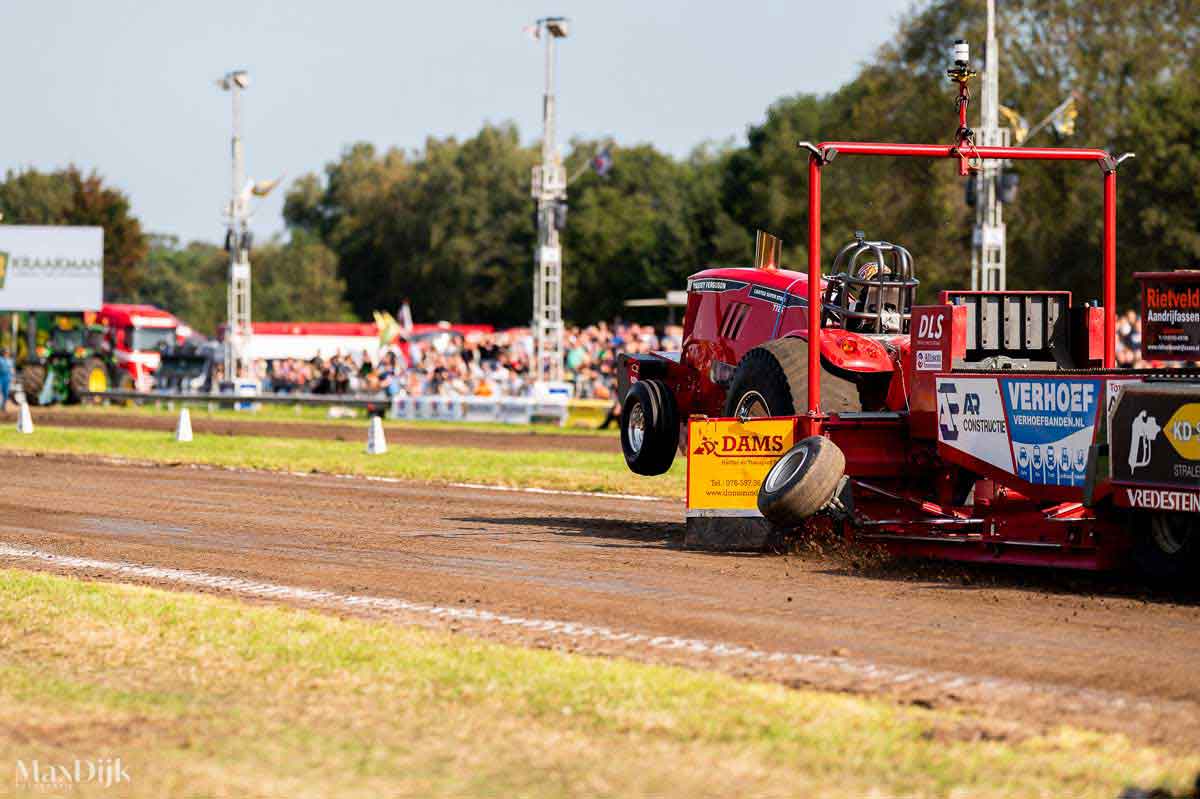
(1129, 345)
(447, 363)
(1129, 340)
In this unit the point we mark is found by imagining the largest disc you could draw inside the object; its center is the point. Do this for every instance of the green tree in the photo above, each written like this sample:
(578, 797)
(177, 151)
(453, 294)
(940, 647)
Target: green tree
(631, 233)
(297, 281)
(448, 227)
(1126, 62)
(1159, 222)
(189, 281)
(68, 197)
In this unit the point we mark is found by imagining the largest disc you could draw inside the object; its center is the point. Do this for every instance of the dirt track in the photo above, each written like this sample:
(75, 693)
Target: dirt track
(330, 431)
(1009, 643)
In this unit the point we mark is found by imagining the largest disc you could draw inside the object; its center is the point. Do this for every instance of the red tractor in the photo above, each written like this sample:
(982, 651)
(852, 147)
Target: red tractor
(974, 427)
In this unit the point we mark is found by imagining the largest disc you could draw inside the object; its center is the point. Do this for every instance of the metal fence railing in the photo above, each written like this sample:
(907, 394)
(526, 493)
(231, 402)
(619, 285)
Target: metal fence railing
(513, 410)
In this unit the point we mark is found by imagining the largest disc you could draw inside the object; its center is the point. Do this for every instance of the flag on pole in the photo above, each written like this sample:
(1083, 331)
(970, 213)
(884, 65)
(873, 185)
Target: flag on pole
(602, 162)
(263, 187)
(405, 317)
(1018, 123)
(388, 327)
(1064, 120)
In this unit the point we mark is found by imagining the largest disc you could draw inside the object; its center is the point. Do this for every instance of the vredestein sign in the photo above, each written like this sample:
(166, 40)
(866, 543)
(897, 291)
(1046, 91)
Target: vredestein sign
(51, 268)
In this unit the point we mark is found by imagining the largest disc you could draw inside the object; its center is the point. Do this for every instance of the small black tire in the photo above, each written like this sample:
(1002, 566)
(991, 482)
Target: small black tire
(772, 380)
(1167, 551)
(802, 482)
(124, 382)
(33, 377)
(649, 428)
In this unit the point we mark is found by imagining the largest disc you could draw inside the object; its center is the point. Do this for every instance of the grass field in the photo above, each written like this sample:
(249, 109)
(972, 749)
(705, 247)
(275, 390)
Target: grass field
(583, 419)
(207, 697)
(557, 469)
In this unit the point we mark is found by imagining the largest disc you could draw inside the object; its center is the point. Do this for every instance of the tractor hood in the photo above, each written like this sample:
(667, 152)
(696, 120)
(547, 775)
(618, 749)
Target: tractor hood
(730, 278)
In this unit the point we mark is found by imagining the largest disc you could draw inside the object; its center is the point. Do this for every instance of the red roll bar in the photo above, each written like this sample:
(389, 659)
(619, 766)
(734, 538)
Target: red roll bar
(822, 154)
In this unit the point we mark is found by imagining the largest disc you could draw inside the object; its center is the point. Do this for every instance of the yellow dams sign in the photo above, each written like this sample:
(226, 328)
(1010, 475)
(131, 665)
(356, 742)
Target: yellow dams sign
(728, 459)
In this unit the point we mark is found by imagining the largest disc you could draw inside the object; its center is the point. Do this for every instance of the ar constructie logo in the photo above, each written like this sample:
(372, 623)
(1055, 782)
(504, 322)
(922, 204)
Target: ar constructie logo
(3, 268)
(744, 445)
(948, 410)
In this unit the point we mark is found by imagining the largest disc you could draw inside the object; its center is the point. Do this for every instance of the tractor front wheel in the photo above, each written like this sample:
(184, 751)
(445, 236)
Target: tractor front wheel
(649, 428)
(772, 380)
(89, 376)
(33, 377)
(1168, 550)
(802, 482)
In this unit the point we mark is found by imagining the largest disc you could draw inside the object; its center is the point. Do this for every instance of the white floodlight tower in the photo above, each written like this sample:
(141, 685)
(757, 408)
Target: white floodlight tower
(550, 191)
(988, 242)
(237, 238)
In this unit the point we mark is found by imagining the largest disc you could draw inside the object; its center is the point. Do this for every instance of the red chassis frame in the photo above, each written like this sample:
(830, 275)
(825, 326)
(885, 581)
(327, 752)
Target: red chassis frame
(1008, 522)
(824, 152)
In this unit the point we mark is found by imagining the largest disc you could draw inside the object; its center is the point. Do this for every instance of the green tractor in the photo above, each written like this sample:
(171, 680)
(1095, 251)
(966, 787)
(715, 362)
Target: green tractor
(75, 359)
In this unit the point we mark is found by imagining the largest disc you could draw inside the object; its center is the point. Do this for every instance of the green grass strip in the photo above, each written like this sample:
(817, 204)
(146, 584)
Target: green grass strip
(206, 697)
(556, 469)
(582, 421)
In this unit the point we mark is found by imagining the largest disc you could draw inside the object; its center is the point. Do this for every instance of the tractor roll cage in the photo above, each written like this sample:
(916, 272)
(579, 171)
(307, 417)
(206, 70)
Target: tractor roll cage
(893, 280)
(823, 153)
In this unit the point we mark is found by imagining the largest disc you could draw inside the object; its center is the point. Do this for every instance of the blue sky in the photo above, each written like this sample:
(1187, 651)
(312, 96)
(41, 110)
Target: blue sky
(127, 88)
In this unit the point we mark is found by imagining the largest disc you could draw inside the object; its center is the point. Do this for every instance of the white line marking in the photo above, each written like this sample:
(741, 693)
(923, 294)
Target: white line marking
(562, 493)
(879, 674)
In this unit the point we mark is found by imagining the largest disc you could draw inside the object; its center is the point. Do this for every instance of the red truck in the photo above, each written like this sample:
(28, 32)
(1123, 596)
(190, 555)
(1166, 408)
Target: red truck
(138, 334)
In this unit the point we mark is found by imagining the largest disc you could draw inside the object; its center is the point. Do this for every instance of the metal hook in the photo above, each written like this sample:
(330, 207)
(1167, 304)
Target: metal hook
(823, 156)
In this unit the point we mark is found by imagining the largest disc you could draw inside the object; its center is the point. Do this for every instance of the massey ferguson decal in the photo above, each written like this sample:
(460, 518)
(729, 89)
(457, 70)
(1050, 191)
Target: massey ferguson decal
(712, 284)
(1154, 436)
(971, 419)
(1052, 422)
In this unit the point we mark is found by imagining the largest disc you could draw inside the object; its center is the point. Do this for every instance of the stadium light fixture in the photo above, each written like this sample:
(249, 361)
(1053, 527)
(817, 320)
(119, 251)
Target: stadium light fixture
(239, 78)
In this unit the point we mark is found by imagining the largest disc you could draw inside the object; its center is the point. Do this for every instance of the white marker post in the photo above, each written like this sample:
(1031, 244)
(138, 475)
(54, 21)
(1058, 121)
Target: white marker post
(24, 418)
(376, 443)
(183, 430)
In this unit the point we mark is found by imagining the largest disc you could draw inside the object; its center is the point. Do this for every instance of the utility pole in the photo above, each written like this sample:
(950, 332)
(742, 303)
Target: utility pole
(237, 239)
(988, 272)
(549, 189)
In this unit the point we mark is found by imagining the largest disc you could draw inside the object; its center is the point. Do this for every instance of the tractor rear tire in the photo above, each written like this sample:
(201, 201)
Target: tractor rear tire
(33, 377)
(125, 383)
(1169, 550)
(802, 482)
(772, 380)
(649, 428)
(91, 375)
